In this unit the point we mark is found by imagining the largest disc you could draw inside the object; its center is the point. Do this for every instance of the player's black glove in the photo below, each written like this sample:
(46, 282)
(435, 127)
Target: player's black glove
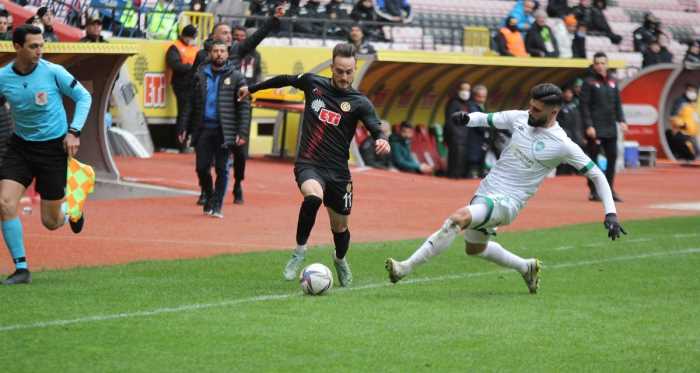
(460, 117)
(613, 226)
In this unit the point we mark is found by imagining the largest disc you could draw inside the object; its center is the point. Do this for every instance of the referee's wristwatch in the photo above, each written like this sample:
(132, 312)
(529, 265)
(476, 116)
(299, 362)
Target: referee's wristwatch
(74, 132)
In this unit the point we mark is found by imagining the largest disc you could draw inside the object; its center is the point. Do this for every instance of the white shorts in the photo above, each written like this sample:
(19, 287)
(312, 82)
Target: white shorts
(501, 210)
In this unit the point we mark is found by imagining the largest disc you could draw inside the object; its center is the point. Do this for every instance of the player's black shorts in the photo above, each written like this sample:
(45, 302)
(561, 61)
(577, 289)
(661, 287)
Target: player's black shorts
(47, 161)
(337, 185)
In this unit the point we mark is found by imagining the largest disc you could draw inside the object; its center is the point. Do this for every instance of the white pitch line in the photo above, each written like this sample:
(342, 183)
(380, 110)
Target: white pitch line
(685, 235)
(264, 298)
(562, 248)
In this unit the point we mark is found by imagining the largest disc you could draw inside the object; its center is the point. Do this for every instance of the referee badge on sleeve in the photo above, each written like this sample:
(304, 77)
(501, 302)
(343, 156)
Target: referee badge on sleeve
(41, 98)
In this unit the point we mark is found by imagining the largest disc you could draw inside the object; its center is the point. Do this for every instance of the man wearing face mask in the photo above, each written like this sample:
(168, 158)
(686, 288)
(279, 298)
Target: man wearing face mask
(455, 134)
(537, 147)
(601, 109)
(179, 59)
(510, 41)
(683, 135)
(217, 122)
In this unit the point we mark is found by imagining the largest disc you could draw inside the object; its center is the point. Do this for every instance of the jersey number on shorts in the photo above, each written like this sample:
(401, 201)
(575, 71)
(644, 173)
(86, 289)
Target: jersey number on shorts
(348, 200)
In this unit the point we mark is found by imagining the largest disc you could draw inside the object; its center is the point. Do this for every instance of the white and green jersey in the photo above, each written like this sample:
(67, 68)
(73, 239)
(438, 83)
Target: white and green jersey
(531, 155)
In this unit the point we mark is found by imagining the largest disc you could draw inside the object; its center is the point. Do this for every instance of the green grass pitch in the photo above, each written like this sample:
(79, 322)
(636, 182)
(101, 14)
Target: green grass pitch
(630, 305)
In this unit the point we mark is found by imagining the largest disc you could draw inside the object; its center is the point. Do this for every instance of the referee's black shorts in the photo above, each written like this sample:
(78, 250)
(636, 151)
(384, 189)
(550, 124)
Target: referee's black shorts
(337, 185)
(45, 161)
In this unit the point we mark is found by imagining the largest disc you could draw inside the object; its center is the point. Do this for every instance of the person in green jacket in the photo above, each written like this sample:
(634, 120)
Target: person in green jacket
(401, 151)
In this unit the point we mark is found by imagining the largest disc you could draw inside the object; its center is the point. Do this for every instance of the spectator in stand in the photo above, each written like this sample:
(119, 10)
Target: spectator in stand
(540, 41)
(456, 134)
(594, 19)
(93, 30)
(578, 46)
(363, 11)
(257, 8)
(198, 6)
(601, 110)
(558, 8)
(647, 33)
(310, 10)
(394, 10)
(334, 12)
(401, 151)
(357, 38)
(656, 53)
(693, 53)
(5, 26)
(369, 153)
(564, 35)
(509, 40)
(46, 17)
(569, 119)
(477, 137)
(523, 12)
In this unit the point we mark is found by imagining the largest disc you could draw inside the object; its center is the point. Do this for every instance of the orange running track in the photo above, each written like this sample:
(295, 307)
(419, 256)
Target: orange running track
(387, 206)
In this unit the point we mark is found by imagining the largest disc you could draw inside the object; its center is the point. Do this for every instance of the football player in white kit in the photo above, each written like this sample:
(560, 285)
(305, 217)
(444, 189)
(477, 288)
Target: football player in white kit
(537, 147)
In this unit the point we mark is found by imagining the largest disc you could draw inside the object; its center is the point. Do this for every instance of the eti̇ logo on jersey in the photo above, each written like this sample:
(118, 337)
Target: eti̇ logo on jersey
(329, 117)
(41, 98)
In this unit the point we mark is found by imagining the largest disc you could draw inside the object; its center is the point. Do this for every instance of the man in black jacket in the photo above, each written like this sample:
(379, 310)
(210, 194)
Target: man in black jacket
(540, 41)
(601, 109)
(647, 33)
(456, 134)
(217, 122)
(569, 119)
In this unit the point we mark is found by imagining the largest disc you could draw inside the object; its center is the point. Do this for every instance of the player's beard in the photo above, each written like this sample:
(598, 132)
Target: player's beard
(218, 63)
(536, 122)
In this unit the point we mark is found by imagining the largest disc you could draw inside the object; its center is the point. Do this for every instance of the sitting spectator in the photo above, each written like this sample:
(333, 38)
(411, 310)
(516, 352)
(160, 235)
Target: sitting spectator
(594, 19)
(682, 137)
(363, 11)
(455, 134)
(656, 53)
(540, 41)
(558, 8)
(647, 33)
(44, 20)
(334, 12)
(369, 154)
(401, 151)
(93, 30)
(693, 53)
(523, 13)
(509, 41)
(5, 26)
(357, 38)
(394, 10)
(311, 10)
(578, 46)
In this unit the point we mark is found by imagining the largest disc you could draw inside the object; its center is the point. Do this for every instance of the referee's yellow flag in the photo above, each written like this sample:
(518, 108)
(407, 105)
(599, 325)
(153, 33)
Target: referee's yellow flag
(80, 182)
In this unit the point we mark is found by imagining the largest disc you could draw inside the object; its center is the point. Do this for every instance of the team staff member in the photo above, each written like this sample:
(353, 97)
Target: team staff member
(42, 142)
(601, 109)
(218, 122)
(179, 58)
(333, 108)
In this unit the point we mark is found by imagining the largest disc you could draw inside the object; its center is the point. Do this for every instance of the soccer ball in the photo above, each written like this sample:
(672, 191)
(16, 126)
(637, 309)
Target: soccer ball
(316, 279)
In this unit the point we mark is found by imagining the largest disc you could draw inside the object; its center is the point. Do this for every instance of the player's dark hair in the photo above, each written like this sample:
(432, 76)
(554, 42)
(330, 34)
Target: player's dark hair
(344, 50)
(216, 42)
(599, 55)
(19, 35)
(239, 28)
(547, 93)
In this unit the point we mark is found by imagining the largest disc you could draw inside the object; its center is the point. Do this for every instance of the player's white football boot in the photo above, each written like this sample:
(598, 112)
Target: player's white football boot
(532, 276)
(396, 270)
(342, 268)
(292, 267)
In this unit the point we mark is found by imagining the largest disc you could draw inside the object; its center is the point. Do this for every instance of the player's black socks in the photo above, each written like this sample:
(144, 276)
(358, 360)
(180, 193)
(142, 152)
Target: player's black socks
(342, 242)
(307, 218)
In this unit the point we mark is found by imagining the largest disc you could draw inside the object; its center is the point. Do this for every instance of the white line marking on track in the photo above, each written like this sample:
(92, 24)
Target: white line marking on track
(264, 298)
